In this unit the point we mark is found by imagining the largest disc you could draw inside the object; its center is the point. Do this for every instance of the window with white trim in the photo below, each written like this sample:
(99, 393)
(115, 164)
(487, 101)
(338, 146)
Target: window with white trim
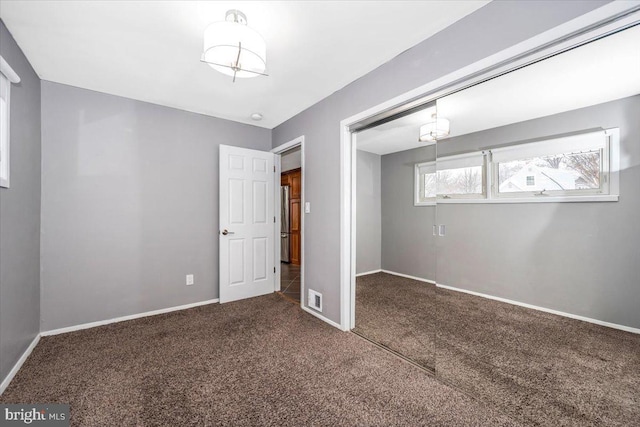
(4, 130)
(425, 184)
(7, 76)
(568, 166)
(461, 176)
(582, 167)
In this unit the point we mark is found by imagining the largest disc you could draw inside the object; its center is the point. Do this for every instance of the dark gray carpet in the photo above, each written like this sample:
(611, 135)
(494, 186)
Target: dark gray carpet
(399, 314)
(540, 368)
(537, 367)
(255, 362)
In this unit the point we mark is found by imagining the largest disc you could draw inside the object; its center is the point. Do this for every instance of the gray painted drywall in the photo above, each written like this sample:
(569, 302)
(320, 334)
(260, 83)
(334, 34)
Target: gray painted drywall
(291, 159)
(368, 212)
(20, 214)
(129, 204)
(408, 244)
(579, 258)
(494, 27)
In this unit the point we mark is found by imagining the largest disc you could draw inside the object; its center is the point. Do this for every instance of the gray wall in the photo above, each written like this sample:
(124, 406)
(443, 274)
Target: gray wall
(408, 244)
(368, 213)
(491, 29)
(20, 214)
(580, 258)
(129, 204)
(292, 159)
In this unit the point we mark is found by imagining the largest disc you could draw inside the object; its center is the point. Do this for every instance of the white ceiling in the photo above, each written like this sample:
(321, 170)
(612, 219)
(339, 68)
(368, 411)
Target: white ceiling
(150, 50)
(601, 71)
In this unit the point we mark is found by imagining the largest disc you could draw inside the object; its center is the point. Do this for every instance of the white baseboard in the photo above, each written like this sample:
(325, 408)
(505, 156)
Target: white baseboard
(546, 310)
(123, 318)
(368, 272)
(12, 373)
(321, 317)
(419, 279)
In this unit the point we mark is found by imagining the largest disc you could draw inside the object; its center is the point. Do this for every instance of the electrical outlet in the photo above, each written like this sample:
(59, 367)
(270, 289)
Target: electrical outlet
(189, 279)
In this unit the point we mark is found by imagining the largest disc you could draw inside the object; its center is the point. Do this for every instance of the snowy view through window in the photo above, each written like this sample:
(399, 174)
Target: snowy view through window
(460, 181)
(575, 171)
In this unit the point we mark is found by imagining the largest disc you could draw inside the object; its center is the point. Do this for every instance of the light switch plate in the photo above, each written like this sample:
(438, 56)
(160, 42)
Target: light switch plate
(307, 207)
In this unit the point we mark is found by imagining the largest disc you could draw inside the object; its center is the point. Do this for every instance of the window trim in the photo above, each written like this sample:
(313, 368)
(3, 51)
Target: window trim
(7, 77)
(609, 192)
(5, 135)
(603, 190)
(464, 159)
(430, 201)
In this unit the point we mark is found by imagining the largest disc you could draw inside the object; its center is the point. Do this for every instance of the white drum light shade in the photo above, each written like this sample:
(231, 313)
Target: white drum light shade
(233, 48)
(436, 129)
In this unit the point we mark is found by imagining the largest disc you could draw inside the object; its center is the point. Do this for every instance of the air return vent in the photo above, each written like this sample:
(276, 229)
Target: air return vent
(315, 300)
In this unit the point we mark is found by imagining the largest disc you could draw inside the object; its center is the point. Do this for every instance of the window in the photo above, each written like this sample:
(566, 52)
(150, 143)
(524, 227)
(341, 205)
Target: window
(554, 170)
(4, 131)
(461, 176)
(425, 184)
(7, 76)
(574, 165)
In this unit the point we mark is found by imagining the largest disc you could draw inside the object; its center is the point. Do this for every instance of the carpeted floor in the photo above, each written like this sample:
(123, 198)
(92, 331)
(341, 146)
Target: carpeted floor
(260, 361)
(399, 314)
(539, 368)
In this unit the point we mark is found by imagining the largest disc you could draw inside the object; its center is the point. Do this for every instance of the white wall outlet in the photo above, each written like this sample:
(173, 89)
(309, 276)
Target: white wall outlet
(315, 300)
(307, 207)
(189, 279)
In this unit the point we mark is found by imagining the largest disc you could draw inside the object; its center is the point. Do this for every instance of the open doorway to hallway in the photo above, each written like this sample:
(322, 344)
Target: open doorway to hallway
(291, 223)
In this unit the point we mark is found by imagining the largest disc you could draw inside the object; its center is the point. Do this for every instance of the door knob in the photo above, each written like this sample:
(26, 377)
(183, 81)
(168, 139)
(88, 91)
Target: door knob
(225, 232)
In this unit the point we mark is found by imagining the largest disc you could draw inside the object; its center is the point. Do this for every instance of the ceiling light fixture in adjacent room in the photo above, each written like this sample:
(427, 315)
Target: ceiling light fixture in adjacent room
(233, 48)
(436, 129)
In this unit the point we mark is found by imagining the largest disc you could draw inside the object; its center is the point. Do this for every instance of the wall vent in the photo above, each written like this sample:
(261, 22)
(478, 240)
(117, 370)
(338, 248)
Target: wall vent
(315, 300)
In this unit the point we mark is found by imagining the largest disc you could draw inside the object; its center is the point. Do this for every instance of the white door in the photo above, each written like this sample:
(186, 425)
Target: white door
(247, 229)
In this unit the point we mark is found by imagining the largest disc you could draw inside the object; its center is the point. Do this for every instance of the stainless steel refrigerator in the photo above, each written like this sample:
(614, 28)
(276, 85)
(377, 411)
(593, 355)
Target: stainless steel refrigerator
(284, 226)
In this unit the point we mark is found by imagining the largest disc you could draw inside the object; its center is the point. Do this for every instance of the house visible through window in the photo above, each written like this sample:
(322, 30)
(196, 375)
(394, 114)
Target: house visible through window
(577, 165)
(563, 166)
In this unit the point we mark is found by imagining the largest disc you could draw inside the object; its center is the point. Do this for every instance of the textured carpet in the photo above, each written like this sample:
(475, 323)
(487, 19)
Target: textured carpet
(399, 314)
(539, 368)
(260, 361)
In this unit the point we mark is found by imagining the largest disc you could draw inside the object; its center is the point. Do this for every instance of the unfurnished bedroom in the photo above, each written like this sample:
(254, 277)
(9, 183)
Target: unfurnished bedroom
(319, 213)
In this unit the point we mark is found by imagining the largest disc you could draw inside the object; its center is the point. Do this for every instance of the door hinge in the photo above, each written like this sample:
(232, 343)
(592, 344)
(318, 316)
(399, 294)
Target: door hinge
(274, 219)
(274, 169)
(274, 270)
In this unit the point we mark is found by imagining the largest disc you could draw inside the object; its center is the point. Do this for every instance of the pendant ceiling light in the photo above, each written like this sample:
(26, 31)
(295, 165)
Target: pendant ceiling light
(436, 129)
(233, 48)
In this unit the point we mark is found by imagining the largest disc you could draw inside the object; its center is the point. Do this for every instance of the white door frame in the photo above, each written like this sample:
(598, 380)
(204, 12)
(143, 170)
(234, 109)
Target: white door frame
(602, 21)
(297, 142)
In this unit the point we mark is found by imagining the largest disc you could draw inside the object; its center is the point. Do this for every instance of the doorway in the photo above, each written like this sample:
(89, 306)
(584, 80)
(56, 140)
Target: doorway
(289, 166)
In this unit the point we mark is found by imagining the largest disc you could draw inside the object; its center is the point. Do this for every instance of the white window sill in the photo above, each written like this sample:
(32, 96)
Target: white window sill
(540, 199)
